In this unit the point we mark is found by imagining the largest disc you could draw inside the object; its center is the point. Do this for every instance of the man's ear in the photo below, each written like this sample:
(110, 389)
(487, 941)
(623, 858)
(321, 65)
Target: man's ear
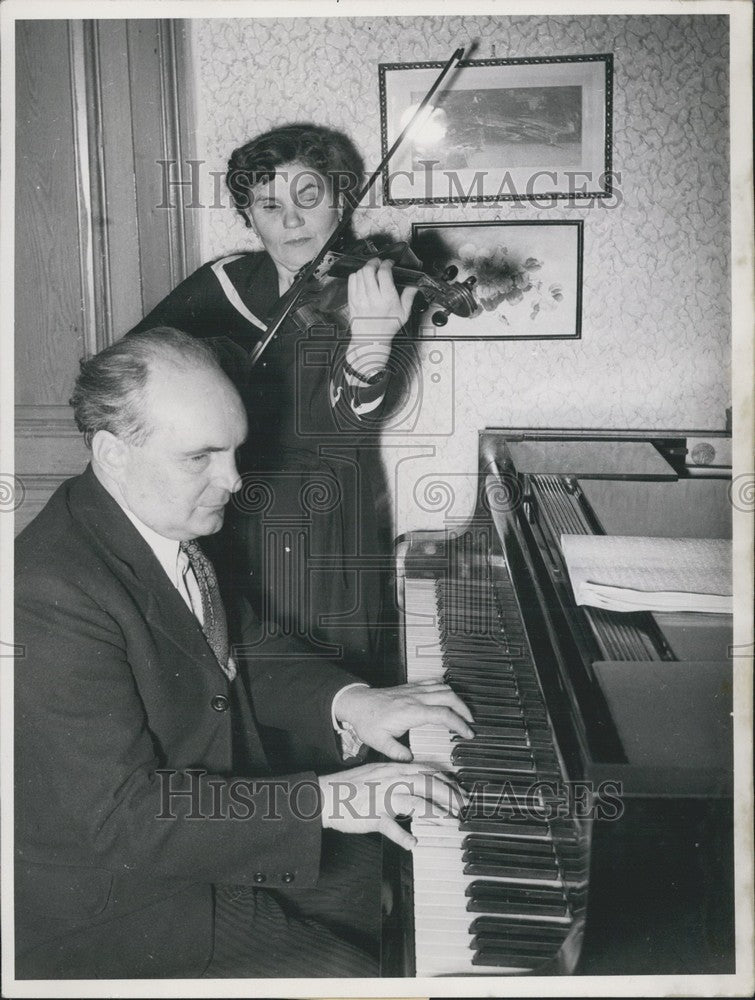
(110, 453)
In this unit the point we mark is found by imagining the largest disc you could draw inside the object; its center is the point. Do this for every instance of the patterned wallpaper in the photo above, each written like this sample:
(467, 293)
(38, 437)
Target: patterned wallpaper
(655, 346)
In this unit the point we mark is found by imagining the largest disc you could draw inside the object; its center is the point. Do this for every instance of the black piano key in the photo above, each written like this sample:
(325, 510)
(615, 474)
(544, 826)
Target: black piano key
(485, 656)
(490, 758)
(479, 633)
(547, 767)
(530, 696)
(509, 826)
(496, 774)
(517, 740)
(487, 694)
(478, 847)
(505, 802)
(502, 869)
(512, 868)
(491, 696)
(523, 930)
(477, 664)
(498, 778)
(515, 850)
(493, 663)
(492, 943)
(495, 639)
(480, 747)
(510, 958)
(487, 689)
(487, 683)
(495, 684)
(472, 617)
(509, 848)
(486, 641)
(477, 841)
(493, 714)
(511, 726)
(523, 757)
(537, 723)
(472, 665)
(528, 690)
(500, 897)
(506, 907)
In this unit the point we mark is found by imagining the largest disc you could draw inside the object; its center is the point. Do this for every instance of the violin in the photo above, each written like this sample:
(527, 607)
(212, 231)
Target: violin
(324, 300)
(454, 297)
(457, 298)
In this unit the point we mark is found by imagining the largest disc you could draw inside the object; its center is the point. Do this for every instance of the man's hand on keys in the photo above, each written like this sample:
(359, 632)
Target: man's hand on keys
(369, 798)
(380, 715)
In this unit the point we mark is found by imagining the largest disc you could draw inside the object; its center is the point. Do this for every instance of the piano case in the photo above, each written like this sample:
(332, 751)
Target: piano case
(637, 707)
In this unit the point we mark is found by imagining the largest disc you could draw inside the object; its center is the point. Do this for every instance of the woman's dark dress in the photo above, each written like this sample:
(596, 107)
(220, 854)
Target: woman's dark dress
(303, 535)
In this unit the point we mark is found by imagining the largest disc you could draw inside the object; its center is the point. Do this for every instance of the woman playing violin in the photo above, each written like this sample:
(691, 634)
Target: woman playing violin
(303, 534)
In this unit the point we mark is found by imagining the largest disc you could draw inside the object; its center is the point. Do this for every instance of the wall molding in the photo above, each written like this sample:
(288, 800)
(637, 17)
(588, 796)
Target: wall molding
(176, 102)
(130, 255)
(80, 89)
(38, 420)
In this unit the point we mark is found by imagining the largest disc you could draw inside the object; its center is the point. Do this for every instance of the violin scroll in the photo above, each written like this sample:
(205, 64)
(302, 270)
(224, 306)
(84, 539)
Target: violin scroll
(465, 303)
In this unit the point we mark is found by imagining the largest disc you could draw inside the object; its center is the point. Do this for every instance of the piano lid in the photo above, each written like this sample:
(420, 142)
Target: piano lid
(591, 459)
(651, 692)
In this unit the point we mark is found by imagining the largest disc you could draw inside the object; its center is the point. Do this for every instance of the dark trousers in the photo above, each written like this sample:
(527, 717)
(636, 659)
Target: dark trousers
(327, 931)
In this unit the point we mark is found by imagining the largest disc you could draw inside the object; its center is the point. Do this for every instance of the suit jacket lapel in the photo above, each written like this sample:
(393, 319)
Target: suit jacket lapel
(125, 549)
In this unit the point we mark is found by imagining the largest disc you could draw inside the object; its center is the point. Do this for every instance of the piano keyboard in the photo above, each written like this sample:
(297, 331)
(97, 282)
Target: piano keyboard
(490, 889)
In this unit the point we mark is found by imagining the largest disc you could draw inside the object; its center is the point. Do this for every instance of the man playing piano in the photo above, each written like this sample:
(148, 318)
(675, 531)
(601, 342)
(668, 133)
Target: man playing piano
(151, 838)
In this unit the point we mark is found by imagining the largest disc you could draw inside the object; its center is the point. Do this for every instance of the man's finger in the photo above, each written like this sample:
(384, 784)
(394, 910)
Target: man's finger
(432, 789)
(440, 715)
(391, 747)
(445, 696)
(446, 793)
(391, 829)
(453, 788)
(456, 724)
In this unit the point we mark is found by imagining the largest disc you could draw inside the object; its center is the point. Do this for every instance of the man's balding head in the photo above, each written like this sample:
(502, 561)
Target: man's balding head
(164, 423)
(110, 391)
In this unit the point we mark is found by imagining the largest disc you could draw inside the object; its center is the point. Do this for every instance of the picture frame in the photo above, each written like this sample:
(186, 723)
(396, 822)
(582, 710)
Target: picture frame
(501, 130)
(528, 278)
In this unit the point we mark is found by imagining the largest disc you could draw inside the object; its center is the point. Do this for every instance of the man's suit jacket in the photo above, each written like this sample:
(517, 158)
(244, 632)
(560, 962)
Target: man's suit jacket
(116, 682)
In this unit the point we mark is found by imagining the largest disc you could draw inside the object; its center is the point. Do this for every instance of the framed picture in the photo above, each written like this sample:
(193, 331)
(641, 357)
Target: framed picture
(501, 130)
(528, 278)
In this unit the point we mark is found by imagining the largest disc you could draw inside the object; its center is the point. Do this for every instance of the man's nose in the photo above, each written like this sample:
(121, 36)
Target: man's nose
(228, 475)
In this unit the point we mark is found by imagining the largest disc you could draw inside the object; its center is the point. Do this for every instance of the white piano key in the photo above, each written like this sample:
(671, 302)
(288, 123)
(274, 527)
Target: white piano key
(441, 919)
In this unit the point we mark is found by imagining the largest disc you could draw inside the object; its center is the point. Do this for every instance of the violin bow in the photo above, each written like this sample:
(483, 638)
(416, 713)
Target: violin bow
(293, 294)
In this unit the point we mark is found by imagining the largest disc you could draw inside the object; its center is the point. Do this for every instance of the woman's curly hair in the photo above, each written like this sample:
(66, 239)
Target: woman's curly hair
(329, 152)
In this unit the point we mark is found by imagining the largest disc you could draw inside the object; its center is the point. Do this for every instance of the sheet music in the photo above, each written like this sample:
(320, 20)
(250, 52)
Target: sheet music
(629, 573)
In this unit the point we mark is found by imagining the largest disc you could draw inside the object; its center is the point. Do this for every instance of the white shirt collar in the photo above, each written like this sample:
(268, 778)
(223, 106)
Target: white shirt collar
(166, 550)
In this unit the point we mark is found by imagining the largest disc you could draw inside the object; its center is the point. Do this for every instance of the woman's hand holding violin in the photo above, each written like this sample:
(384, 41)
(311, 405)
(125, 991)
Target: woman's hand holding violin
(377, 313)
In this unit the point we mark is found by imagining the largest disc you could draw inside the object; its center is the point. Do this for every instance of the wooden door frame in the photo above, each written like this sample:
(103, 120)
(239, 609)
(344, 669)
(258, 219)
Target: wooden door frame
(131, 250)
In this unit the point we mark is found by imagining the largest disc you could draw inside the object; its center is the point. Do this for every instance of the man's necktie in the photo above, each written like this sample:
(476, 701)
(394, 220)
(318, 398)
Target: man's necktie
(215, 625)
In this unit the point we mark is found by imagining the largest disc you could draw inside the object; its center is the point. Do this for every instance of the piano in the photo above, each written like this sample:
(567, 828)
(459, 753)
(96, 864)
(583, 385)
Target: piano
(599, 834)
